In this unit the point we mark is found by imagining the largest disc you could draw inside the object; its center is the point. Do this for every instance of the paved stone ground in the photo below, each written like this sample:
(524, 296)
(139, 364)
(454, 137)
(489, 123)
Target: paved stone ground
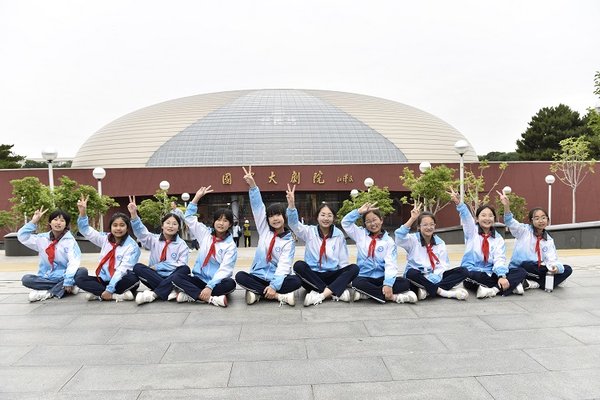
(537, 346)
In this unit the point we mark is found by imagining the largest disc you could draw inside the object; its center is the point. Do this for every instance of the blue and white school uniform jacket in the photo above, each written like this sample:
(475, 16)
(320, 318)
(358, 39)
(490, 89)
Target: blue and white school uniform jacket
(525, 245)
(473, 258)
(221, 265)
(67, 255)
(384, 264)
(177, 253)
(336, 251)
(282, 255)
(417, 257)
(127, 253)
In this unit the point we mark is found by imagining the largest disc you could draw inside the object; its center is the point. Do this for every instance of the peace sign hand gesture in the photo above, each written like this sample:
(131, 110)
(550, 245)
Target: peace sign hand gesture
(37, 215)
(454, 196)
(82, 205)
(416, 211)
(203, 191)
(365, 208)
(290, 196)
(248, 177)
(132, 207)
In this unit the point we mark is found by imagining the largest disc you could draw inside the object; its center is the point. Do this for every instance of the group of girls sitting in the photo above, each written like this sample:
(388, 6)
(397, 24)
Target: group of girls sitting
(325, 272)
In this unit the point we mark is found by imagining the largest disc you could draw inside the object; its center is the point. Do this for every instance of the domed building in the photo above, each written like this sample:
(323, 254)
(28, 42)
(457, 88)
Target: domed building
(272, 127)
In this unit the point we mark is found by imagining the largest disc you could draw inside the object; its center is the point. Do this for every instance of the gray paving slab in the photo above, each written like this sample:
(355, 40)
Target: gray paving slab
(302, 330)
(430, 308)
(211, 333)
(148, 377)
(543, 320)
(34, 379)
(559, 305)
(282, 392)
(87, 395)
(18, 309)
(164, 320)
(455, 388)
(360, 311)
(566, 385)
(585, 334)
(473, 325)
(18, 337)
(204, 315)
(509, 340)
(307, 372)
(241, 351)
(94, 354)
(373, 346)
(567, 358)
(10, 354)
(35, 321)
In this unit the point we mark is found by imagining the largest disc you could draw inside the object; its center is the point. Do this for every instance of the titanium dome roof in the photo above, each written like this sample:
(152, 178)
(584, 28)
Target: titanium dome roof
(272, 127)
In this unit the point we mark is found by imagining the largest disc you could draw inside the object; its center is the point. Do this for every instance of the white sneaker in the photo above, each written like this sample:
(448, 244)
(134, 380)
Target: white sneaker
(125, 296)
(519, 289)
(183, 297)
(287, 298)
(359, 296)
(251, 297)
(529, 284)
(421, 294)
(75, 289)
(313, 298)
(345, 296)
(406, 297)
(39, 295)
(147, 296)
(172, 296)
(219, 301)
(460, 293)
(91, 297)
(483, 292)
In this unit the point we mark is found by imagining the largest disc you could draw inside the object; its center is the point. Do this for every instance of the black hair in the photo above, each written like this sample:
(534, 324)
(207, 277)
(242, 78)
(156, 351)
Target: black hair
(125, 219)
(533, 210)
(276, 209)
(323, 205)
(169, 215)
(61, 213)
(376, 212)
(483, 207)
(425, 214)
(223, 212)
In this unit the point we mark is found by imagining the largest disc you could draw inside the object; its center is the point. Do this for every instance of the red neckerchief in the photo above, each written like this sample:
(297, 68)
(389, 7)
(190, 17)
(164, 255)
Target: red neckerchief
(269, 253)
(373, 244)
(485, 247)
(110, 257)
(212, 252)
(163, 255)
(537, 250)
(432, 257)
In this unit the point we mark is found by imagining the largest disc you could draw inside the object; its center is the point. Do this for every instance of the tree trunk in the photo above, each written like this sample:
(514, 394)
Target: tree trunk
(573, 205)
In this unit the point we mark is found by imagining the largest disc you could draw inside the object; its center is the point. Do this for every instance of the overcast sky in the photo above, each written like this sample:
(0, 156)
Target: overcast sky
(70, 67)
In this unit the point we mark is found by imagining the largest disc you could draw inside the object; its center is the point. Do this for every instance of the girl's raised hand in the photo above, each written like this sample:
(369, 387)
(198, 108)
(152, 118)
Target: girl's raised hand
(365, 208)
(132, 207)
(454, 196)
(82, 205)
(37, 215)
(248, 177)
(416, 210)
(503, 199)
(290, 196)
(204, 190)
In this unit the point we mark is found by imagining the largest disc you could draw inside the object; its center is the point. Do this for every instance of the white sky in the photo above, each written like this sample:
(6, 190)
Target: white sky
(67, 68)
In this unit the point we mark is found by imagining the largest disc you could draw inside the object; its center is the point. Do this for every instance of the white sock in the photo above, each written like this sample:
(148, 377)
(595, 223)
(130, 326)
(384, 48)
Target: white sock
(449, 294)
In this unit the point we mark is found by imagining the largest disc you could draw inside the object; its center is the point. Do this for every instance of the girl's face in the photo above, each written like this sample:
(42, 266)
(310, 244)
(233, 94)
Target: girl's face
(222, 225)
(539, 220)
(170, 227)
(325, 218)
(427, 227)
(277, 222)
(58, 224)
(486, 219)
(118, 228)
(373, 223)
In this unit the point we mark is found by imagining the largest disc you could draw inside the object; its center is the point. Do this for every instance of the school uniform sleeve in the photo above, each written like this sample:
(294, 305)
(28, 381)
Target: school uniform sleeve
(404, 239)
(197, 229)
(518, 230)
(284, 265)
(90, 233)
(226, 268)
(301, 230)
(140, 231)
(500, 265)
(391, 264)
(131, 255)
(73, 260)
(27, 237)
(467, 221)
(349, 225)
(259, 211)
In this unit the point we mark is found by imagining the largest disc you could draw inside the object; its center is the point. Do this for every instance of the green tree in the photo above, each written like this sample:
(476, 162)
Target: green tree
(546, 129)
(500, 156)
(35, 164)
(374, 194)
(430, 188)
(8, 159)
(593, 118)
(475, 194)
(152, 211)
(8, 219)
(29, 194)
(518, 206)
(572, 165)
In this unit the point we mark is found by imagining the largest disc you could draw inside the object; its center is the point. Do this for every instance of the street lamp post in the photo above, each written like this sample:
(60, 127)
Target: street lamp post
(99, 173)
(461, 148)
(549, 180)
(369, 182)
(185, 197)
(353, 193)
(164, 185)
(424, 166)
(50, 154)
